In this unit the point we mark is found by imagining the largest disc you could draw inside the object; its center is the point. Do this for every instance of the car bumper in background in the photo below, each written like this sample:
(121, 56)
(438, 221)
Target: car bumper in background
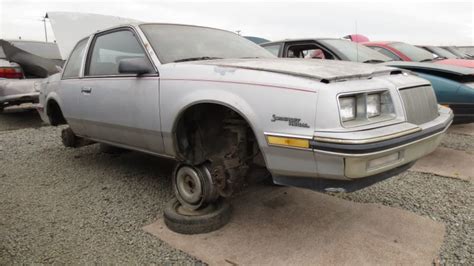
(13, 92)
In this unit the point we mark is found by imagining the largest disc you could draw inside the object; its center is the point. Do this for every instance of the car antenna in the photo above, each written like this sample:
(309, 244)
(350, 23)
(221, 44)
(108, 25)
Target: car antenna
(357, 44)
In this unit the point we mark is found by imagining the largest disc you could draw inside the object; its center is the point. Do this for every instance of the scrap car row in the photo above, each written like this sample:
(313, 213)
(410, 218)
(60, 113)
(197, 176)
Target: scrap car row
(228, 110)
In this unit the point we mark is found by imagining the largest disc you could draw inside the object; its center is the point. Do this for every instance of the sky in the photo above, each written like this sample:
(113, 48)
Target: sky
(416, 22)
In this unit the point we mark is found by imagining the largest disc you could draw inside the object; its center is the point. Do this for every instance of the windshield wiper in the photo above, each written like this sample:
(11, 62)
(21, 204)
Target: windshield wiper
(373, 61)
(196, 59)
(426, 60)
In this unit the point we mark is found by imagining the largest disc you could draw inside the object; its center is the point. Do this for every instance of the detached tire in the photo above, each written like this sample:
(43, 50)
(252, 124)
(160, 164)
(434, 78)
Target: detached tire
(188, 222)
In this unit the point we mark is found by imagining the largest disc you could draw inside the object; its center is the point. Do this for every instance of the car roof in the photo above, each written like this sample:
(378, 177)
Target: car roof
(303, 40)
(380, 42)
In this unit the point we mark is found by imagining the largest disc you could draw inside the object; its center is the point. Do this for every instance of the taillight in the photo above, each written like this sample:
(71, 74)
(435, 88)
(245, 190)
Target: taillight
(11, 73)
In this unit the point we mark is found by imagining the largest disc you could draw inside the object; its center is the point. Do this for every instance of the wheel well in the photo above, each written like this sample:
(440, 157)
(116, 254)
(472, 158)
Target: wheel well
(207, 130)
(54, 113)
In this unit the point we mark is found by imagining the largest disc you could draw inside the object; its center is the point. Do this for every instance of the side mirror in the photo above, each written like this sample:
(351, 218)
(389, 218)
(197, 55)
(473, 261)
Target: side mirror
(137, 66)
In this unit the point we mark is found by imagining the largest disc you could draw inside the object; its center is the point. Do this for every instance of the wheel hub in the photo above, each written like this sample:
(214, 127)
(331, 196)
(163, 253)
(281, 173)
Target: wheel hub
(193, 187)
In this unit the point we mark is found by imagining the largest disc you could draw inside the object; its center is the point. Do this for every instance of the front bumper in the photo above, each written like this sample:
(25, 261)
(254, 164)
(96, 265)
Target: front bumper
(369, 154)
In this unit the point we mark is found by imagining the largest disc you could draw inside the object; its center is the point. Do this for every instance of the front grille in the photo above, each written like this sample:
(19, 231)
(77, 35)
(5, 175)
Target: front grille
(420, 104)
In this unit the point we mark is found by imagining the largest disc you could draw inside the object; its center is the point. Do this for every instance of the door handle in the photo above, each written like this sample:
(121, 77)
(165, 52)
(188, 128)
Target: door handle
(86, 90)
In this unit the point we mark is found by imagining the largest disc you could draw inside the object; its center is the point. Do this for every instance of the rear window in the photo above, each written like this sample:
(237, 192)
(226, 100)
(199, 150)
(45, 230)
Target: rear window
(2, 54)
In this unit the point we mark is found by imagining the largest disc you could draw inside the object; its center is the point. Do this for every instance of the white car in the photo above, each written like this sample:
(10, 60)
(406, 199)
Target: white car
(225, 108)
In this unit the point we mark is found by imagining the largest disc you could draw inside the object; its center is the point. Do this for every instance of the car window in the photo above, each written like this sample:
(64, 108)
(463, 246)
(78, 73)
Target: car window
(414, 53)
(179, 43)
(274, 49)
(75, 59)
(354, 51)
(386, 53)
(108, 49)
(307, 51)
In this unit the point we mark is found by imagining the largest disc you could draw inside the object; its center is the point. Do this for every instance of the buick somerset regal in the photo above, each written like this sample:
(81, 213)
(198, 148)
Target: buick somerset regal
(228, 111)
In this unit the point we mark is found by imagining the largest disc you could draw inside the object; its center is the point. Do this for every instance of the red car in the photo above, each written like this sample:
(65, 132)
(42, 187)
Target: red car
(400, 51)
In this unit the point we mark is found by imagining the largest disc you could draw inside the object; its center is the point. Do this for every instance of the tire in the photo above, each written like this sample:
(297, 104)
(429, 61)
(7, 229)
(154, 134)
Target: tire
(209, 219)
(109, 149)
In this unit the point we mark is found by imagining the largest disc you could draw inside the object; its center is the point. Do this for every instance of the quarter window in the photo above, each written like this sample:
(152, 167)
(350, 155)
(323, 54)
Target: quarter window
(73, 66)
(109, 49)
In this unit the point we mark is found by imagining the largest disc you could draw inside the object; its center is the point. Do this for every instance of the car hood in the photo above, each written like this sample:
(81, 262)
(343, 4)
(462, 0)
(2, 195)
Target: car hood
(457, 62)
(430, 67)
(323, 70)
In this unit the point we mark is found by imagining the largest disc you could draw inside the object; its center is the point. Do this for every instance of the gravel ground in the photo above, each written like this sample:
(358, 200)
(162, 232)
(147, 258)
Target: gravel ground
(62, 205)
(78, 205)
(459, 142)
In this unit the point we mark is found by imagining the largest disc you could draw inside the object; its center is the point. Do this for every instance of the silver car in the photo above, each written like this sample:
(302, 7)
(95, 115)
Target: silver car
(227, 110)
(23, 67)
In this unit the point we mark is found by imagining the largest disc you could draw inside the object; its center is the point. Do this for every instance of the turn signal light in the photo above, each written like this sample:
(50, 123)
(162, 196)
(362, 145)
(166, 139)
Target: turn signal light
(288, 142)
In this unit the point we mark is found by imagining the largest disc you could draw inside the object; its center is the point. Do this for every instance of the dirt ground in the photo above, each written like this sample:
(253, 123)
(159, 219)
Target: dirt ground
(62, 205)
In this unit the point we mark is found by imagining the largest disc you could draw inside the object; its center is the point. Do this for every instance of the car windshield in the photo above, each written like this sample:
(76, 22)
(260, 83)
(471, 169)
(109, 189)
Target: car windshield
(414, 53)
(177, 43)
(442, 52)
(356, 52)
(457, 52)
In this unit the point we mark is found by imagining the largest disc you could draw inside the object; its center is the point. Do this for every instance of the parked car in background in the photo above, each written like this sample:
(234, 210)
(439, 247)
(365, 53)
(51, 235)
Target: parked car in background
(256, 40)
(356, 38)
(458, 52)
(466, 49)
(407, 52)
(23, 65)
(453, 85)
(226, 111)
(438, 52)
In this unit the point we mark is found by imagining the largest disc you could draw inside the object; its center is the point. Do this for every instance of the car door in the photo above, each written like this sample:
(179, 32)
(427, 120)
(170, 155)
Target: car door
(70, 88)
(121, 109)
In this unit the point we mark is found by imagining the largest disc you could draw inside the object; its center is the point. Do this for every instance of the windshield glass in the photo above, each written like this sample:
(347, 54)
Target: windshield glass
(356, 52)
(441, 52)
(414, 53)
(180, 43)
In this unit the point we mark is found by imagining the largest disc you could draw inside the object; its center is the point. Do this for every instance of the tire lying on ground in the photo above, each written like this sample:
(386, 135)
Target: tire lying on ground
(210, 218)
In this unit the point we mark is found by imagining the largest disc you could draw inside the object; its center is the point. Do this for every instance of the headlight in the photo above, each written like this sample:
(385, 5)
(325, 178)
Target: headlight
(373, 105)
(362, 108)
(348, 108)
